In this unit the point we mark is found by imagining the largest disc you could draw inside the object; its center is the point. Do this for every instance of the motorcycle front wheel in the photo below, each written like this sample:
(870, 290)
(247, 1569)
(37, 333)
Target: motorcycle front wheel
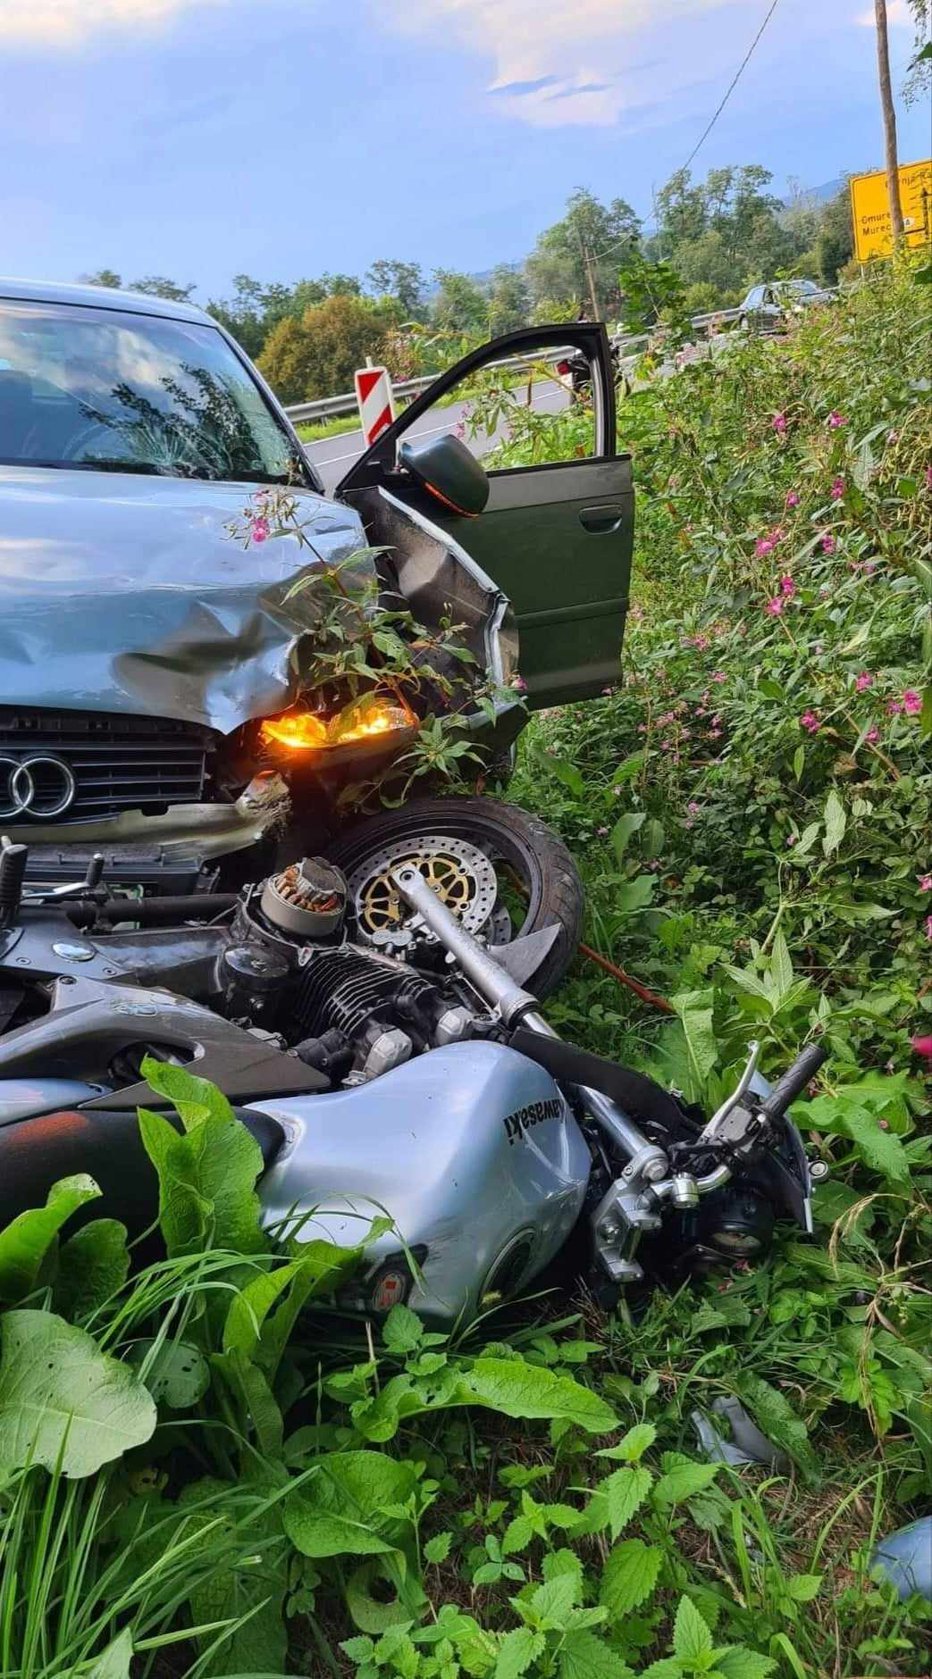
(501, 871)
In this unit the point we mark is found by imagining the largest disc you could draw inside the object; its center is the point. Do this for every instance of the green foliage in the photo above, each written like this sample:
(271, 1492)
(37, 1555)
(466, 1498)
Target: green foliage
(197, 1470)
(316, 353)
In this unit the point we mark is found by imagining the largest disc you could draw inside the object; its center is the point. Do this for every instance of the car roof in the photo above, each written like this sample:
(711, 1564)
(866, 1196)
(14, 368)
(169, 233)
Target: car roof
(100, 297)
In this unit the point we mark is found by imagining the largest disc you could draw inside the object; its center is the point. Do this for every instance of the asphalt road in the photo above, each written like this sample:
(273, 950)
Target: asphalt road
(333, 456)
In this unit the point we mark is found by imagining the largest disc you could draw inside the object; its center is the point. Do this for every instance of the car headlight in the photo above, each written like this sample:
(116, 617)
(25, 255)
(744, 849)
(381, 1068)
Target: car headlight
(366, 721)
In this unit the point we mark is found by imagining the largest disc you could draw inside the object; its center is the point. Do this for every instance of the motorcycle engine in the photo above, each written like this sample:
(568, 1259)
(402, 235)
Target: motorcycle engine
(341, 1007)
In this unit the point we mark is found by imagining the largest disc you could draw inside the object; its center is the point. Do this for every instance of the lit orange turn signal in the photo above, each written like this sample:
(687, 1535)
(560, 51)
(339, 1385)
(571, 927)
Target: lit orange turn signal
(365, 719)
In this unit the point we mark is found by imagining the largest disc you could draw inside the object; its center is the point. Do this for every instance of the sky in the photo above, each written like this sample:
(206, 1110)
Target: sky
(282, 138)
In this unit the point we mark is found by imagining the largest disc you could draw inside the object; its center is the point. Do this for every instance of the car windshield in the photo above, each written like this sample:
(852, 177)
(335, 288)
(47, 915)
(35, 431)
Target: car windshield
(110, 390)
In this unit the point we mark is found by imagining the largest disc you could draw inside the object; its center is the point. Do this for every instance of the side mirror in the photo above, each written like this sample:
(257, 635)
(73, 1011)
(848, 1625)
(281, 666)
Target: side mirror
(446, 469)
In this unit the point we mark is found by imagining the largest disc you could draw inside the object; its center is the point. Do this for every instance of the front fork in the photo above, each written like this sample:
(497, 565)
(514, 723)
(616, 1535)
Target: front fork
(634, 1202)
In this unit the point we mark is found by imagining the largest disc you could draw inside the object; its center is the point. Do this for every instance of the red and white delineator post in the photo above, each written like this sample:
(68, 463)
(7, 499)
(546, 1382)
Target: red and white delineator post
(375, 399)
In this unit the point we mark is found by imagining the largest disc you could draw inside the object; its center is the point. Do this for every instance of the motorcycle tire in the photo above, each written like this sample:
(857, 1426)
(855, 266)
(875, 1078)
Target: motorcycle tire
(522, 850)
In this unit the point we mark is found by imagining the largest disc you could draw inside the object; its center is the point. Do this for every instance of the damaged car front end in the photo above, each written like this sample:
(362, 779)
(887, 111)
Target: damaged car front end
(159, 697)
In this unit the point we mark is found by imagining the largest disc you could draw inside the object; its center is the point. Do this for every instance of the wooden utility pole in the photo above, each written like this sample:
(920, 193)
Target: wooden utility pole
(889, 120)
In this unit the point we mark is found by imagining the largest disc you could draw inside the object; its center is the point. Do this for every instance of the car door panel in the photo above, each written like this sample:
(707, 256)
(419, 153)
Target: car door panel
(555, 538)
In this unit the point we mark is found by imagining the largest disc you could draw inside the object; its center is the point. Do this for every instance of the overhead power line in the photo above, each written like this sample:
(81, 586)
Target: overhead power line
(595, 255)
(731, 87)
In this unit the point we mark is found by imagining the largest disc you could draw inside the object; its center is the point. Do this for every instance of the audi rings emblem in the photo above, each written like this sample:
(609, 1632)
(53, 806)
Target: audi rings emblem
(40, 787)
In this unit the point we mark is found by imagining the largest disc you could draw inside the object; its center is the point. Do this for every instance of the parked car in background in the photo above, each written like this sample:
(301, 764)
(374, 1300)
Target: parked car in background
(768, 307)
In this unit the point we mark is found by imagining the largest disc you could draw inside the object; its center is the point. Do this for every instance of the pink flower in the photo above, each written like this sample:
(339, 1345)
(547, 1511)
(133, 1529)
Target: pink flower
(835, 420)
(791, 839)
(779, 424)
(893, 708)
(719, 676)
(929, 477)
(863, 680)
(873, 735)
(929, 926)
(601, 832)
(912, 702)
(829, 543)
(870, 566)
(693, 808)
(775, 606)
(260, 530)
(838, 489)
(810, 722)
(762, 547)
(792, 499)
(925, 882)
(787, 586)
(260, 495)
(923, 1046)
(519, 685)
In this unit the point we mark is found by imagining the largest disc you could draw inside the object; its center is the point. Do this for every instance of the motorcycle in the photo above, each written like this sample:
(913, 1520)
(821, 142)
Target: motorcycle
(397, 1066)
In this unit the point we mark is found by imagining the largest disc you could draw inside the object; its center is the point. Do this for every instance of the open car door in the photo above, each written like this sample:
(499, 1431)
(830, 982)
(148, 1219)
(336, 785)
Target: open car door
(555, 537)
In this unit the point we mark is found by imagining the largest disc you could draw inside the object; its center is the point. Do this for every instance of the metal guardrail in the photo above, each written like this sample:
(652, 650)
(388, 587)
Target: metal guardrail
(330, 407)
(327, 407)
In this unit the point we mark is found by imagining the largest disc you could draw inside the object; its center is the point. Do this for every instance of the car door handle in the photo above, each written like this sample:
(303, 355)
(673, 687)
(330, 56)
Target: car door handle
(601, 520)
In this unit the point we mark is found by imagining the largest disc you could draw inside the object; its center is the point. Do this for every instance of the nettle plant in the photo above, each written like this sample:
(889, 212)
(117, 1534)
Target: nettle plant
(354, 647)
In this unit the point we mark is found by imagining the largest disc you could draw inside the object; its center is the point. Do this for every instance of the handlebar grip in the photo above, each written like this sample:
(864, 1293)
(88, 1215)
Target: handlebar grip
(794, 1080)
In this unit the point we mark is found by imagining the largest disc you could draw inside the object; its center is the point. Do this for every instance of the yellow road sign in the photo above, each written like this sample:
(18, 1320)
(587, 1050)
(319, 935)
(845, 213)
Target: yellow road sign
(870, 209)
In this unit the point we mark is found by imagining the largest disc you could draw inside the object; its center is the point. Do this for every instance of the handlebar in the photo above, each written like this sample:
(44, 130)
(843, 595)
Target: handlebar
(794, 1081)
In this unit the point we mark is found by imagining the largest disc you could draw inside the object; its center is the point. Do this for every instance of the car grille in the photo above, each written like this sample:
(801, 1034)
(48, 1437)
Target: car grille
(73, 766)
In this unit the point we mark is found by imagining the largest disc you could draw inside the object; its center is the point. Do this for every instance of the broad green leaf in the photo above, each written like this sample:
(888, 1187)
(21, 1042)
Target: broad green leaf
(781, 967)
(64, 1401)
(114, 1662)
(585, 1656)
(634, 895)
(799, 761)
(553, 1600)
(802, 1588)
(341, 1511)
(437, 1549)
(26, 1241)
(691, 1637)
(734, 1662)
(807, 840)
(682, 1481)
(567, 773)
(776, 1418)
(628, 769)
(625, 1492)
(694, 1009)
(247, 1593)
(517, 1651)
(262, 1315)
(626, 826)
(402, 1330)
(525, 1390)
(881, 1150)
(92, 1265)
(835, 823)
(177, 1375)
(375, 1614)
(207, 1174)
(629, 1576)
(632, 1446)
(252, 1389)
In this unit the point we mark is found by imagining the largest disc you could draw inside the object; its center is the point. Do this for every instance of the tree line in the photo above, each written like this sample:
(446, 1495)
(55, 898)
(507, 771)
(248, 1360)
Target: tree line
(710, 241)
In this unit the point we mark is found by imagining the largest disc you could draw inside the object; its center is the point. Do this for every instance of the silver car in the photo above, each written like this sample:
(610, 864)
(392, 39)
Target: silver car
(767, 307)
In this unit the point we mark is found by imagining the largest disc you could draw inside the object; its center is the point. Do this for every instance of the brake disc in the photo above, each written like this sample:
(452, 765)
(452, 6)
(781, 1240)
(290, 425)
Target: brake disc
(460, 874)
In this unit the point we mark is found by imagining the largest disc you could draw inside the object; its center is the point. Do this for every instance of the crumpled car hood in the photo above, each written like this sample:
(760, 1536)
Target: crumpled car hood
(122, 593)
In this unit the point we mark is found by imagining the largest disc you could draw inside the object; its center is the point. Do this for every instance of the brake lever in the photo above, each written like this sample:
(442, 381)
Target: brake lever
(710, 1131)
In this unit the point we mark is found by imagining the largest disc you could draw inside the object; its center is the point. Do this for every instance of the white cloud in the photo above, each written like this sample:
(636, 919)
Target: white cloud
(65, 23)
(564, 61)
(897, 13)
